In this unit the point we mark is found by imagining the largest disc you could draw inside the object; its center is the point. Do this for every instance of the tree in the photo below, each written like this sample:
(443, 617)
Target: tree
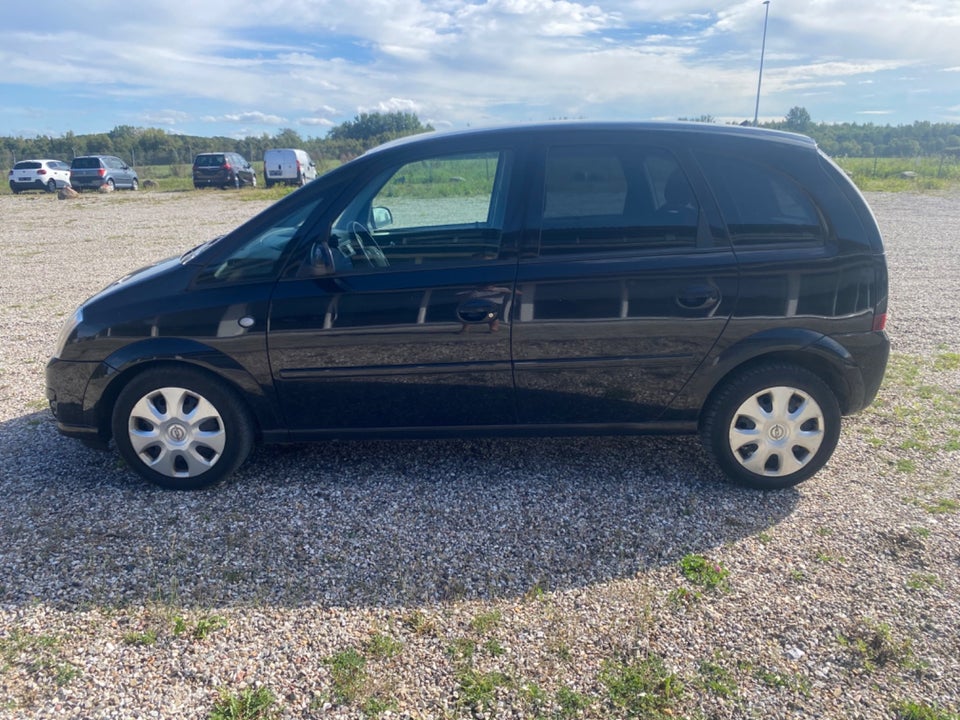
(378, 127)
(798, 119)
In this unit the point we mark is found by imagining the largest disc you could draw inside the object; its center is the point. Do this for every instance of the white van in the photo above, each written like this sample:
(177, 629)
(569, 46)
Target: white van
(291, 166)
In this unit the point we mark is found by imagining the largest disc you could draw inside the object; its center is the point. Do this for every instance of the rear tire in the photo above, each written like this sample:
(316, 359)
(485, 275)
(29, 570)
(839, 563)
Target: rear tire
(51, 186)
(771, 426)
(181, 428)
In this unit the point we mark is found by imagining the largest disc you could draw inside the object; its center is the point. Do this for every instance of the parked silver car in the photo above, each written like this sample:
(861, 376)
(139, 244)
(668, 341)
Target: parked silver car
(91, 172)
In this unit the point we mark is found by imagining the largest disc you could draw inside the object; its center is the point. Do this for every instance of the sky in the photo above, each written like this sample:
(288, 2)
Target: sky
(237, 68)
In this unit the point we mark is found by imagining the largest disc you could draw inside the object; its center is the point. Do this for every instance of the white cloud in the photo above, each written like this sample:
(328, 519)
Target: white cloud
(257, 118)
(236, 62)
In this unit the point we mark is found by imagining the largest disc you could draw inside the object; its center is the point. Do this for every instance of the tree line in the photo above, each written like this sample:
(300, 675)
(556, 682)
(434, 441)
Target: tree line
(151, 146)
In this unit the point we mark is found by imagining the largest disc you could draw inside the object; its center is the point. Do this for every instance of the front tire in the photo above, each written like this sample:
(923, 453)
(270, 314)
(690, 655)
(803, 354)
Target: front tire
(772, 426)
(135, 185)
(181, 428)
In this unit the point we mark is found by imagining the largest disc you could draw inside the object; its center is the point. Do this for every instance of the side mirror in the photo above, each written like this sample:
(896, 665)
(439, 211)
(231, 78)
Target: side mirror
(382, 217)
(320, 261)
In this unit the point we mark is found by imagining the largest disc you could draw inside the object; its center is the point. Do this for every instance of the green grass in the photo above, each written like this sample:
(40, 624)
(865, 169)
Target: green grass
(485, 622)
(717, 679)
(641, 688)
(910, 710)
(874, 645)
(703, 572)
(478, 690)
(148, 637)
(925, 420)
(248, 704)
(348, 674)
(382, 646)
(885, 174)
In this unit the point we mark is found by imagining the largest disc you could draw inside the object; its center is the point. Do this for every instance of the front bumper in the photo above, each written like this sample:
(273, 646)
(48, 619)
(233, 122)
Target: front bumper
(66, 391)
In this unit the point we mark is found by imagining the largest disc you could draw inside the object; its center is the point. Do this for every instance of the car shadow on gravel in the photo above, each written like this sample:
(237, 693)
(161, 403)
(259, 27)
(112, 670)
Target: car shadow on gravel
(361, 523)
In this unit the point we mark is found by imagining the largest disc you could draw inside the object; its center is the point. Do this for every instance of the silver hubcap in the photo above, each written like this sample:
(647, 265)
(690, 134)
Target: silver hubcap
(776, 431)
(176, 432)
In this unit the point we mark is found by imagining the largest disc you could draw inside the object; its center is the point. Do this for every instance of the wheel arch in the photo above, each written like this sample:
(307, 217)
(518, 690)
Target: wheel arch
(808, 349)
(131, 361)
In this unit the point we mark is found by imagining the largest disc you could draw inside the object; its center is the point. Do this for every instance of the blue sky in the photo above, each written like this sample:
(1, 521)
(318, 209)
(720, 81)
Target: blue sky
(238, 68)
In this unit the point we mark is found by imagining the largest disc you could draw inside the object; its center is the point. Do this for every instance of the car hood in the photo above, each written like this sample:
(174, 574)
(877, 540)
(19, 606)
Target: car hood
(138, 277)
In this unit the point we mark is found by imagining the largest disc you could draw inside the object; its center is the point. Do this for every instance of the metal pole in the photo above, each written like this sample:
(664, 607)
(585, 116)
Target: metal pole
(763, 47)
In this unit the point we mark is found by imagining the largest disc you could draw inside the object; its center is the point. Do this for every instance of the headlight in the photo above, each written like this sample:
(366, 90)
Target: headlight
(69, 326)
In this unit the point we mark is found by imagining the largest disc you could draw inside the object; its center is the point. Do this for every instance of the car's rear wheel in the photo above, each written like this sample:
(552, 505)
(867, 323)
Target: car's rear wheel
(772, 426)
(181, 428)
(51, 186)
(111, 184)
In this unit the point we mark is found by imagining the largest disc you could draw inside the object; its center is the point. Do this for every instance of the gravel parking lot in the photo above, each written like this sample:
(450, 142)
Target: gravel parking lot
(548, 578)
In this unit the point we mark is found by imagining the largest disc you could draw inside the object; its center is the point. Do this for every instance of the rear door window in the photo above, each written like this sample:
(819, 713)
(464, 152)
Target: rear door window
(609, 199)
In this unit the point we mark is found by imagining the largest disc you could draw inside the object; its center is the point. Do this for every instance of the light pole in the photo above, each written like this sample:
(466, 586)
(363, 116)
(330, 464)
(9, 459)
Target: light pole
(763, 47)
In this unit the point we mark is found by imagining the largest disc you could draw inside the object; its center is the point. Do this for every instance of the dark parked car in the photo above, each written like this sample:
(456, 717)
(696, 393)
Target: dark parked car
(223, 170)
(566, 278)
(91, 172)
(48, 175)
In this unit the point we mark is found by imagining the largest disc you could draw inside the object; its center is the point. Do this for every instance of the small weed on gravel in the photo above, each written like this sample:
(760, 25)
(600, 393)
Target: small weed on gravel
(717, 679)
(348, 673)
(383, 646)
(642, 688)
(910, 710)
(478, 690)
(248, 704)
(873, 645)
(700, 571)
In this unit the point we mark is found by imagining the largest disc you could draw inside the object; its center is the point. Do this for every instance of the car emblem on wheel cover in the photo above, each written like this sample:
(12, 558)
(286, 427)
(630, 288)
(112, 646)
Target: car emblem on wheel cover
(778, 432)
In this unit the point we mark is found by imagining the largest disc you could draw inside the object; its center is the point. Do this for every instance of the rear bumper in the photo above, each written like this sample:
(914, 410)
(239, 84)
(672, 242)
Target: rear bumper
(870, 352)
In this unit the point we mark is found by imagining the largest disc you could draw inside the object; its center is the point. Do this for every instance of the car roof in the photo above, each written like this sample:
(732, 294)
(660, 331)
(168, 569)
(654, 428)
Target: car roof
(577, 127)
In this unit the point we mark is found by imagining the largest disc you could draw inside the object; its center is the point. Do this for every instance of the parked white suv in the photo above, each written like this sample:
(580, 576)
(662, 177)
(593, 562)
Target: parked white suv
(49, 175)
(290, 166)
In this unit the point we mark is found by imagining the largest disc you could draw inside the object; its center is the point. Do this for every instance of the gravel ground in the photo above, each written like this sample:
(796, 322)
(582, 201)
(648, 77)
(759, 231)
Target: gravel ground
(490, 578)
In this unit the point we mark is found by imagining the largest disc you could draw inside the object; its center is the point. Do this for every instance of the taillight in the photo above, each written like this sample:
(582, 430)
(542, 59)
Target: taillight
(879, 322)
(101, 172)
(41, 171)
(226, 166)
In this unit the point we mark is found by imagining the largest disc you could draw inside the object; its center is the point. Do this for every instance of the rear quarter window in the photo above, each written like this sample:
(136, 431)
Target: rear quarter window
(762, 205)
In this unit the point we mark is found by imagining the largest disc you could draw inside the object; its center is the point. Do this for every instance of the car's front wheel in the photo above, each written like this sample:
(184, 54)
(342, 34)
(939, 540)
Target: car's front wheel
(772, 426)
(135, 185)
(181, 428)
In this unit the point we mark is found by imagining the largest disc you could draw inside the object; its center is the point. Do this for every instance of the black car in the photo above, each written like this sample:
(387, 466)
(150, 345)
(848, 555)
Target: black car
(563, 278)
(223, 170)
(92, 172)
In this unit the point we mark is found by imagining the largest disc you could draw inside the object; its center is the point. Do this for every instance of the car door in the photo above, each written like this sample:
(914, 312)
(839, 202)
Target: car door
(404, 321)
(627, 286)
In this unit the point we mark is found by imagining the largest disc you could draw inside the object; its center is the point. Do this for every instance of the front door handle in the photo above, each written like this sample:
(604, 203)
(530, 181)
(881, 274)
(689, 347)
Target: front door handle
(478, 310)
(698, 297)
